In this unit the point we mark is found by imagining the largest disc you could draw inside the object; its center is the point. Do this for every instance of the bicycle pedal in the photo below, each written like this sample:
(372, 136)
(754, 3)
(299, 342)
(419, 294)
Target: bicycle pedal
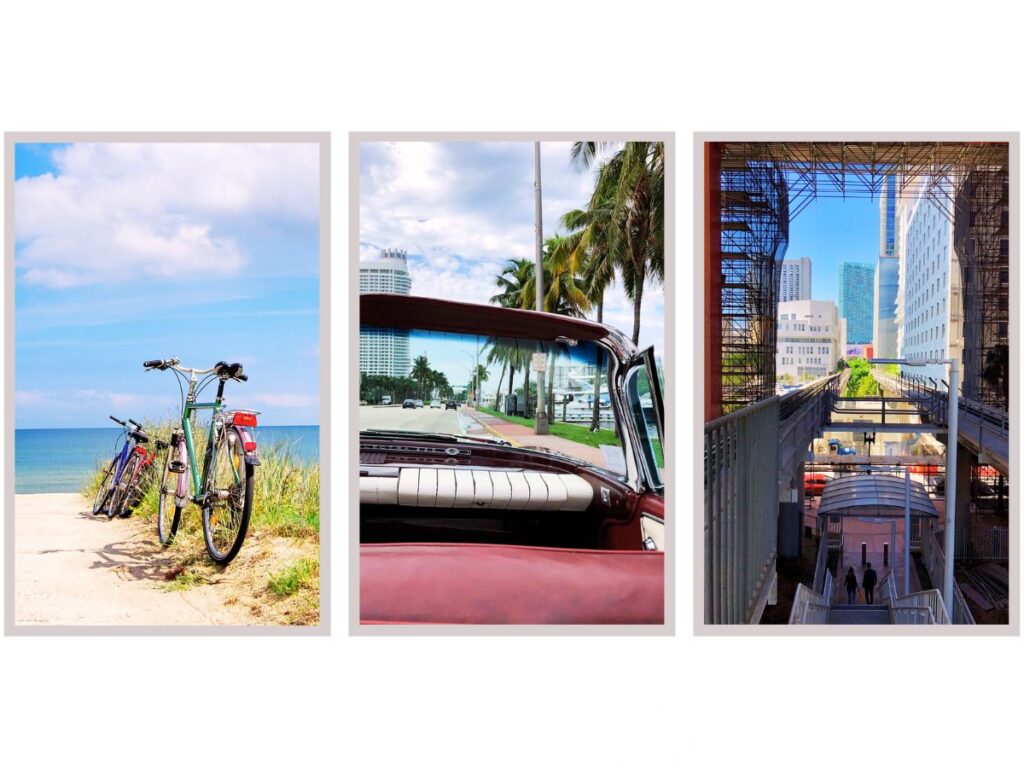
(176, 466)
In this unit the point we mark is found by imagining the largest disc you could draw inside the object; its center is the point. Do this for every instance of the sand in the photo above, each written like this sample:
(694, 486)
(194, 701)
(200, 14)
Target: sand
(73, 569)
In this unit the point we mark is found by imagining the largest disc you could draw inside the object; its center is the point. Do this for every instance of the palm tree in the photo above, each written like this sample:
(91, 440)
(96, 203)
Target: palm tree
(631, 184)
(593, 255)
(512, 280)
(421, 373)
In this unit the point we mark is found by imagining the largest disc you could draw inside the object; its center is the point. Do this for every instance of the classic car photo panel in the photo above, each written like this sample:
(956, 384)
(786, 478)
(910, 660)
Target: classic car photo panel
(511, 446)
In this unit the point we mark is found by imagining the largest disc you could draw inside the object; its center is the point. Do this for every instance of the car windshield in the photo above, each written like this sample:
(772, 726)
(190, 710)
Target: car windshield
(487, 388)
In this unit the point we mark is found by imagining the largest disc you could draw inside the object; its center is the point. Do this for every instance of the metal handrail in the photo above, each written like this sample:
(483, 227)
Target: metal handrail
(930, 599)
(934, 562)
(741, 460)
(821, 563)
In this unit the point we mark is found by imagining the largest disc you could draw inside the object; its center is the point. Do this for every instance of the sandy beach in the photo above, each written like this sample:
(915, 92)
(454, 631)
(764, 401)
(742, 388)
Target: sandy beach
(73, 569)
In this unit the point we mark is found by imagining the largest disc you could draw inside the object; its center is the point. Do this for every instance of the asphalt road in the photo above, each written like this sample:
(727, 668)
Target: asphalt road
(419, 419)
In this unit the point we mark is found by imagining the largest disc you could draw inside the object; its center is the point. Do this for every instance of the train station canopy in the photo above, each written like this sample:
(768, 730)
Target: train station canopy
(874, 496)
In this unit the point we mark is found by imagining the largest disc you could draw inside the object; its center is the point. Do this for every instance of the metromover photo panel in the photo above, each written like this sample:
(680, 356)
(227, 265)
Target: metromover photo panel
(857, 356)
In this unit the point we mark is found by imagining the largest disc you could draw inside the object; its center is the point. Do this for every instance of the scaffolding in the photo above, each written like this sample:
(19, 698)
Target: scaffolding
(765, 185)
(981, 238)
(754, 233)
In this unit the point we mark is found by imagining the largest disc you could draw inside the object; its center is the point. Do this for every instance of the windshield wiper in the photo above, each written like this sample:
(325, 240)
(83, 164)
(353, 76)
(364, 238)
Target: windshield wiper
(440, 437)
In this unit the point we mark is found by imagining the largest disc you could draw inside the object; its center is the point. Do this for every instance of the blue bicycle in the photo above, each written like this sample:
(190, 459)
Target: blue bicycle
(119, 486)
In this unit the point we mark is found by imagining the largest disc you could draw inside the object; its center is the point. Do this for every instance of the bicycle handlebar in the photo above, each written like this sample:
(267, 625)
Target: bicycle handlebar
(117, 420)
(134, 422)
(232, 371)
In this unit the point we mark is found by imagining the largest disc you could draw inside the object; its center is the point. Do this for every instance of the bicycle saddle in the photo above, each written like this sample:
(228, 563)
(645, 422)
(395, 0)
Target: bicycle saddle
(229, 370)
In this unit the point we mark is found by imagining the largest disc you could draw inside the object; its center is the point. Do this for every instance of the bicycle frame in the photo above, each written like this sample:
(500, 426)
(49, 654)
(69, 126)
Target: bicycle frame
(199, 480)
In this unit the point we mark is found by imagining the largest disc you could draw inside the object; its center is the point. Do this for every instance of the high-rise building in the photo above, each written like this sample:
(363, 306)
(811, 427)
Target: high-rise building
(795, 283)
(856, 301)
(929, 304)
(385, 351)
(810, 340)
(887, 274)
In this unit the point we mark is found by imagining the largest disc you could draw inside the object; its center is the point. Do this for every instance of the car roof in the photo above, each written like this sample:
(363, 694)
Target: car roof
(394, 311)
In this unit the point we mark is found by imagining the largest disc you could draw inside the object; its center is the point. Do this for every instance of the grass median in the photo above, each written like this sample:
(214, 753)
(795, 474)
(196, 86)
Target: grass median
(282, 546)
(575, 432)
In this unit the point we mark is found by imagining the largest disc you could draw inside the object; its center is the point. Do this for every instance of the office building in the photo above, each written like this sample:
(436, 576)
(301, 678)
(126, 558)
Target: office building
(928, 299)
(809, 341)
(887, 274)
(385, 351)
(795, 283)
(856, 301)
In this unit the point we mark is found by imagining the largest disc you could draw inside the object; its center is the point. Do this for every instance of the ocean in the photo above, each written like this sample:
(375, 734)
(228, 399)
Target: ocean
(61, 460)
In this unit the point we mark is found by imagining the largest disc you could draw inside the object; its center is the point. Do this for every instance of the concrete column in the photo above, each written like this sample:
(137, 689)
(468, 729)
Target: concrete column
(965, 461)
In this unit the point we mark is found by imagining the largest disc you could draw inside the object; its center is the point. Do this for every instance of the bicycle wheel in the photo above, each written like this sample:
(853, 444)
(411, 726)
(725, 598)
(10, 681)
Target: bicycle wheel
(103, 492)
(132, 484)
(228, 500)
(121, 488)
(169, 512)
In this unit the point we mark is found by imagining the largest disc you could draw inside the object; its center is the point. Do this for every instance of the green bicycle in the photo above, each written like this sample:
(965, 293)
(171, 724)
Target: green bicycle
(223, 490)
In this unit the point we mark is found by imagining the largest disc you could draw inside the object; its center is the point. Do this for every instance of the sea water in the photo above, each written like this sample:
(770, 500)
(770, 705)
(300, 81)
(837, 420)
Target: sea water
(63, 460)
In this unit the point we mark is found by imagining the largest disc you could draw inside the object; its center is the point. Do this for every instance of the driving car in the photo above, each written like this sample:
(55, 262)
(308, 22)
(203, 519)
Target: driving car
(408, 403)
(419, 403)
(468, 526)
(451, 405)
(435, 403)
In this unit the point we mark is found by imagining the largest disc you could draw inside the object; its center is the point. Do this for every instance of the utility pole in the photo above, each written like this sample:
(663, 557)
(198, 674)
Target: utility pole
(952, 436)
(541, 419)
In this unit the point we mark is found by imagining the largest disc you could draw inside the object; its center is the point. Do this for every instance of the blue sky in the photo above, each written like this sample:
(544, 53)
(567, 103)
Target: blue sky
(463, 209)
(830, 231)
(129, 252)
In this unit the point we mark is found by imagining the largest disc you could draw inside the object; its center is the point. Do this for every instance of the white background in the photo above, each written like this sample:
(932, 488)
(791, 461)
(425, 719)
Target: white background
(528, 65)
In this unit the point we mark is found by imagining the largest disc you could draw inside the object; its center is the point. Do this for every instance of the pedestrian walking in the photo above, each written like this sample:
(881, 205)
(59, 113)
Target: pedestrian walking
(870, 579)
(851, 586)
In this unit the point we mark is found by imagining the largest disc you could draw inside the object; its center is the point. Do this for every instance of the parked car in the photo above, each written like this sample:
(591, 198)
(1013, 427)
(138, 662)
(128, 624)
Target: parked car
(408, 403)
(385, 400)
(435, 403)
(847, 450)
(468, 528)
(419, 403)
(451, 405)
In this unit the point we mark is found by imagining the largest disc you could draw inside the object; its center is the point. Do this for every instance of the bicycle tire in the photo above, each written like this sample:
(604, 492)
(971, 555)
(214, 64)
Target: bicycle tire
(168, 520)
(103, 492)
(130, 481)
(121, 490)
(238, 504)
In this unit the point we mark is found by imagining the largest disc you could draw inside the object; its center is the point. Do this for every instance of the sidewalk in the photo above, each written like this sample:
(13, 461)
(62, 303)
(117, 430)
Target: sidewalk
(522, 436)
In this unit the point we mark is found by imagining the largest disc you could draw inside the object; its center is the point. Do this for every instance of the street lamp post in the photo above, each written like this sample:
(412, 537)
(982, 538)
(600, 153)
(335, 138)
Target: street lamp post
(540, 418)
(952, 434)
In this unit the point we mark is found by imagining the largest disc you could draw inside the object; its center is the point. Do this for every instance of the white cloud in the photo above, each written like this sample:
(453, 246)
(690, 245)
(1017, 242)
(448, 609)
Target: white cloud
(72, 399)
(462, 211)
(115, 212)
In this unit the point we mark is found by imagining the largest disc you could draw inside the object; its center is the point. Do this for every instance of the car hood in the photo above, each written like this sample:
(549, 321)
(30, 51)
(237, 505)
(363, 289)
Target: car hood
(392, 311)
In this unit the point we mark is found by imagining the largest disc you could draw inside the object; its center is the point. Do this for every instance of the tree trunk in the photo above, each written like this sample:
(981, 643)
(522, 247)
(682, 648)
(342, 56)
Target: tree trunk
(595, 419)
(638, 297)
(501, 379)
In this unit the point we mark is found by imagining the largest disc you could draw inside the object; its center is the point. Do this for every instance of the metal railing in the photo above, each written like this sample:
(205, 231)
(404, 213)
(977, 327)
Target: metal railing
(741, 507)
(821, 565)
(996, 419)
(990, 544)
(887, 589)
(913, 615)
(909, 607)
(934, 560)
(793, 401)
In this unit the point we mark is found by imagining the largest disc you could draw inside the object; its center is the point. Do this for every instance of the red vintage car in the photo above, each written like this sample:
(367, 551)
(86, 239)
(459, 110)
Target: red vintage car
(467, 516)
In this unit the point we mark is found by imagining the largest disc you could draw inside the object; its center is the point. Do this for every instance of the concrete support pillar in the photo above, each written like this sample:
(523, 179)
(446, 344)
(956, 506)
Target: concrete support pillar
(712, 281)
(966, 460)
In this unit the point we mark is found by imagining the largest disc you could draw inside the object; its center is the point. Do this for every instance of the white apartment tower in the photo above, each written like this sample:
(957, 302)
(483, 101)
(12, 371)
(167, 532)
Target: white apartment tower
(810, 340)
(385, 351)
(795, 284)
(928, 304)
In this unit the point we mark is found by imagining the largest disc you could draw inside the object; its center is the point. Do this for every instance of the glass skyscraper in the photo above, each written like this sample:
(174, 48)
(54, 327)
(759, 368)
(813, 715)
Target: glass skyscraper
(887, 274)
(856, 301)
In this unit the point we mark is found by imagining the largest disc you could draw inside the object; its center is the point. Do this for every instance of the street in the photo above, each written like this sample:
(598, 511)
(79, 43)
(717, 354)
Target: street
(417, 419)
